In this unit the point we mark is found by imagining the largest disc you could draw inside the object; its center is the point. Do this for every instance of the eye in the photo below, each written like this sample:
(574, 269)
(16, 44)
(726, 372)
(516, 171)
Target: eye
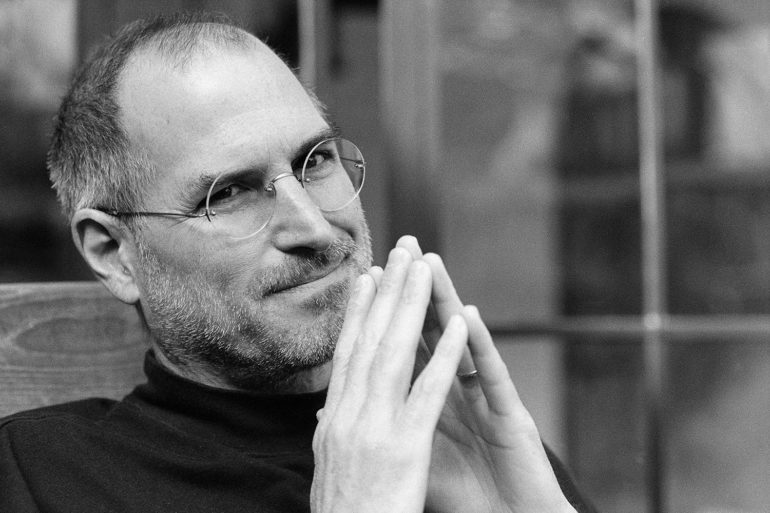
(317, 158)
(321, 163)
(226, 193)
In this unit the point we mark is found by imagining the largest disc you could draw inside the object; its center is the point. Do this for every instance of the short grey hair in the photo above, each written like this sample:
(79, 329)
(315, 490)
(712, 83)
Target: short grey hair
(90, 160)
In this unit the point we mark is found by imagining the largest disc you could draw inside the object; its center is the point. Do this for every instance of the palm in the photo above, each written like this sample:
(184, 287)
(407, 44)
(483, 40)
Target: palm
(462, 463)
(487, 458)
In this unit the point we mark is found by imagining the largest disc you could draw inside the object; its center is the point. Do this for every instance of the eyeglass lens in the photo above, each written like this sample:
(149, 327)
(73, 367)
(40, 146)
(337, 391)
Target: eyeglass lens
(332, 175)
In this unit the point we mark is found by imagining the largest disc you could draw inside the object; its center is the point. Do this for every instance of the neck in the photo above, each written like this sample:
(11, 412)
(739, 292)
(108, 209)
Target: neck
(305, 381)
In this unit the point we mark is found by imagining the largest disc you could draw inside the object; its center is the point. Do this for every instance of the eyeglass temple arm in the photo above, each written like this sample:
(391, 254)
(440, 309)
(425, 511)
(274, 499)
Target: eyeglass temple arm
(359, 163)
(118, 213)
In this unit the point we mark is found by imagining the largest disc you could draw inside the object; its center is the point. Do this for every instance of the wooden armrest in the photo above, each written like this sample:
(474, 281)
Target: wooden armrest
(66, 340)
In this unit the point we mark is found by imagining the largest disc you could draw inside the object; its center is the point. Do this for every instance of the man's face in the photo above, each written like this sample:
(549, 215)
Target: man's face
(253, 312)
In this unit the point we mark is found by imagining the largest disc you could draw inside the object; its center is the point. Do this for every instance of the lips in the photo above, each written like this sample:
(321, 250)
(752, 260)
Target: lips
(308, 274)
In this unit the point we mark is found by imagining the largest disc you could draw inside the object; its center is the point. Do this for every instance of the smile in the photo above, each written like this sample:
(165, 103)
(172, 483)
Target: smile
(318, 278)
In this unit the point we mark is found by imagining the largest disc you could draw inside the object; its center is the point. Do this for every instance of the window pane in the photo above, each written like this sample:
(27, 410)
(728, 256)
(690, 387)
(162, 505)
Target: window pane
(538, 178)
(717, 106)
(716, 69)
(606, 422)
(539, 192)
(718, 423)
(539, 156)
(37, 52)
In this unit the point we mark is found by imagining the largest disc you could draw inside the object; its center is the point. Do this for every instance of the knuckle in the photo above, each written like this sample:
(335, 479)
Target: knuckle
(428, 384)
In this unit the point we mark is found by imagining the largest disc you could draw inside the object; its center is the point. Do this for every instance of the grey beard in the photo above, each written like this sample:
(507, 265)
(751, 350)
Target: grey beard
(201, 328)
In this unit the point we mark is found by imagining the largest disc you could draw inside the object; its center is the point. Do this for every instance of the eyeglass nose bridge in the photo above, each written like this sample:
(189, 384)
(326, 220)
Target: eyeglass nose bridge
(270, 186)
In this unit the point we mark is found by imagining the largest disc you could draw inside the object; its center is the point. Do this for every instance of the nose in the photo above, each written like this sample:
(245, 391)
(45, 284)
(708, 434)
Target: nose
(297, 222)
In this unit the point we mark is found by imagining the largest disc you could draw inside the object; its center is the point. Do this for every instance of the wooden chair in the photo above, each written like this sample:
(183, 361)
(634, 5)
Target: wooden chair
(65, 341)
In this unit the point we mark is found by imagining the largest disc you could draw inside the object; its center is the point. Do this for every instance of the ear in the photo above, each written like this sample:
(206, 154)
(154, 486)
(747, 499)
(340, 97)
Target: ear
(109, 249)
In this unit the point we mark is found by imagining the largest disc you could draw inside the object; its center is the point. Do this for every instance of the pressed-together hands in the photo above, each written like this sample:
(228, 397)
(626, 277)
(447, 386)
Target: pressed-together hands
(440, 443)
(487, 453)
(373, 440)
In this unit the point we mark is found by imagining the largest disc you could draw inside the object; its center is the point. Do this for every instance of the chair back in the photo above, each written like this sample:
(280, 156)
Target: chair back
(64, 341)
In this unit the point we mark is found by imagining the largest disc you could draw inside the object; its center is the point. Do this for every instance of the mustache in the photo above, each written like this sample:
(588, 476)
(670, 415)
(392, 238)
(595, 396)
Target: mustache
(303, 264)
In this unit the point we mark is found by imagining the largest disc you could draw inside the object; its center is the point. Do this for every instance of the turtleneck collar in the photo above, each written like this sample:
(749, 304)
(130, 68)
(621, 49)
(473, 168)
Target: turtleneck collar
(255, 422)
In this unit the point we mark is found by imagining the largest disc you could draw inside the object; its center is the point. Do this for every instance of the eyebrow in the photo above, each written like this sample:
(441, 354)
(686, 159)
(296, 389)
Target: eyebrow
(329, 132)
(197, 186)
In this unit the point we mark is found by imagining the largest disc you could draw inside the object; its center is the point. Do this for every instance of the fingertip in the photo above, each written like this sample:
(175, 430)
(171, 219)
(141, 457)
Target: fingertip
(457, 324)
(399, 255)
(436, 263)
(473, 319)
(375, 272)
(362, 282)
(471, 312)
(410, 244)
(362, 293)
(408, 241)
(433, 258)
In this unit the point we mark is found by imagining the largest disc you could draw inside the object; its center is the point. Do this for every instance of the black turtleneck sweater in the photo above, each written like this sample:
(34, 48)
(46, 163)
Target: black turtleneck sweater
(172, 445)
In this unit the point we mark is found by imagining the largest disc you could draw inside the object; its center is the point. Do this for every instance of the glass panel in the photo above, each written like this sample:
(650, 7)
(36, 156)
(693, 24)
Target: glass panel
(718, 424)
(37, 51)
(716, 69)
(538, 175)
(538, 156)
(537, 366)
(717, 75)
(539, 178)
(606, 422)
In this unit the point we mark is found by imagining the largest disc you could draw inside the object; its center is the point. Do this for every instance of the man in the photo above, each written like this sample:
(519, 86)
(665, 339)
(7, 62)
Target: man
(205, 186)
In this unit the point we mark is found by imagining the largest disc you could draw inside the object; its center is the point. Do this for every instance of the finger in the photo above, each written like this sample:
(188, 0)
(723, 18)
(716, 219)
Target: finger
(493, 377)
(390, 284)
(409, 243)
(429, 392)
(431, 331)
(444, 297)
(395, 357)
(446, 303)
(376, 273)
(355, 315)
(377, 321)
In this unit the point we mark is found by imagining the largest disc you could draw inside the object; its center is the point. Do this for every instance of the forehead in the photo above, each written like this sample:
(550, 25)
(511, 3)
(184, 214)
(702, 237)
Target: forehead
(224, 108)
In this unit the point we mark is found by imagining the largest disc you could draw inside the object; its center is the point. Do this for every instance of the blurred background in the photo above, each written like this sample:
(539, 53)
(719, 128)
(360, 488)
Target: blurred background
(506, 135)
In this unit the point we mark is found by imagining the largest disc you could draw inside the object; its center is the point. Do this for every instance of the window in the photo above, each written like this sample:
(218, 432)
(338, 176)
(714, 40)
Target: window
(611, 222)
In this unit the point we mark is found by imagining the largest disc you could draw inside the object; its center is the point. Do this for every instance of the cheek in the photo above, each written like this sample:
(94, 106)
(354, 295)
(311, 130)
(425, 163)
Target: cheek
(212, 264)
(351, 220)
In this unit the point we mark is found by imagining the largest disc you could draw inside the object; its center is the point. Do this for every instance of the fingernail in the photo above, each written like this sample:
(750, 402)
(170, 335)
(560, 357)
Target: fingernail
(398, 255)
